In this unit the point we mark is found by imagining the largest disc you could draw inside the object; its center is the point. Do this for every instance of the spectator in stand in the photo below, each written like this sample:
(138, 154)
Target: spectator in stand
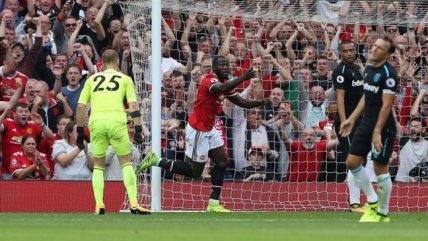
(285, 124)
(29, 94)
(13, 7)
(323, 73)
(9, 61)
(177, 109)
(195, 80)
(10, 78)
(46, 145)
(29, 163)
(47, 34)
(275, 97)
(8, 105)
(44, 7)
(13, 130)
(315, 108)
(93, 27)
(27, 62)
(255, 172)
(413, 148)
(75, 85)
(307, 155)
(248, 131)
(63, 30)
(86, 53)
(172, 144)
(71, 162)
(49, 108)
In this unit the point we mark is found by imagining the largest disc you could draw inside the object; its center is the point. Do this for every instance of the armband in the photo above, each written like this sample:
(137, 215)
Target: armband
(135, 114)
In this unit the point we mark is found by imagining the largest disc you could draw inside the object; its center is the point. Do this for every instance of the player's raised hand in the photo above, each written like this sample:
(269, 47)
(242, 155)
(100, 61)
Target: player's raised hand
(251, 73)
(346, 128)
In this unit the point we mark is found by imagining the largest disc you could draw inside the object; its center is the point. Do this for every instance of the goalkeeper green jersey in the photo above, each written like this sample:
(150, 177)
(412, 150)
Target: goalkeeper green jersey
(106, 92)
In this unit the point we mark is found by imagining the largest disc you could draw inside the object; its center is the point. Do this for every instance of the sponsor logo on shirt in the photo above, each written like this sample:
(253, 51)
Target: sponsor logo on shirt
(371, 88)
(357, 83)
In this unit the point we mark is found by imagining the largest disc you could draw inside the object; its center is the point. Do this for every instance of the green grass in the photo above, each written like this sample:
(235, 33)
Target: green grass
(208, 226)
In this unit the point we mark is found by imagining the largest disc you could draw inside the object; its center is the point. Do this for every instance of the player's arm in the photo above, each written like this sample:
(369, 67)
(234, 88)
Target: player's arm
(80, 114)
(340, 100)
(244, 103)
(133, 107)
(231, 84)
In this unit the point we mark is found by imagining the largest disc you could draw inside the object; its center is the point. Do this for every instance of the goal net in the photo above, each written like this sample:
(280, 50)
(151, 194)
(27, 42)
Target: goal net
(294, 45)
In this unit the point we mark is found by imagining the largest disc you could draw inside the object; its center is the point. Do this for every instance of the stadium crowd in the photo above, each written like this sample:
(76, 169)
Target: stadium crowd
(50, 47)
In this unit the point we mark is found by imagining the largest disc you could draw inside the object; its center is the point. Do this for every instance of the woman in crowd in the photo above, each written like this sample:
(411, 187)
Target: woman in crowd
(29, 163)
(72, 162)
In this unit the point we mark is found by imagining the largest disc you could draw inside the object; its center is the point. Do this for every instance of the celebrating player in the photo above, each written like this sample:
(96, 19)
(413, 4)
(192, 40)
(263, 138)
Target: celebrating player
(348, 83)
(202, 138)
(377, 127)
(107, 124)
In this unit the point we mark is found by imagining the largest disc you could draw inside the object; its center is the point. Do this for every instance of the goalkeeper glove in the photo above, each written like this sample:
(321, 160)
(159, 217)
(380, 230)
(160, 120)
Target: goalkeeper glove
(81, 137)
(138, 135)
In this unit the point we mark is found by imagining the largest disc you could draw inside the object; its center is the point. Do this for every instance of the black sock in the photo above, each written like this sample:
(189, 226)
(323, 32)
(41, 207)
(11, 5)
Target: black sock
(178, 167)
(217, 177)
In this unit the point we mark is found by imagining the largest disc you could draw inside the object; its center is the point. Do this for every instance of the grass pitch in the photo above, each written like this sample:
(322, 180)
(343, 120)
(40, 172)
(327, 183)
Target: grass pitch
(209, 227)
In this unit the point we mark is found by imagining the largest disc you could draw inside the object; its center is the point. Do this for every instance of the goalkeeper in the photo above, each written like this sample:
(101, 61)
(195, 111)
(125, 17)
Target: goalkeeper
(202, 139)
(107, 124)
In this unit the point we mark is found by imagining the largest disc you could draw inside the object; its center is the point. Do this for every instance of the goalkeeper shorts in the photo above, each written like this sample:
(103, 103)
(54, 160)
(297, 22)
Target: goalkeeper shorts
(104, 132)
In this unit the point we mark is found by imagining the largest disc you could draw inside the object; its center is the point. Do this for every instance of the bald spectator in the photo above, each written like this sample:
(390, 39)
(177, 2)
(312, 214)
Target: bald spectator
(307, 155)
(48, 108)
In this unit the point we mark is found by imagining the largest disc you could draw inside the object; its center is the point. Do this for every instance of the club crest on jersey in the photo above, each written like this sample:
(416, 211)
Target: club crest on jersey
(376, 78)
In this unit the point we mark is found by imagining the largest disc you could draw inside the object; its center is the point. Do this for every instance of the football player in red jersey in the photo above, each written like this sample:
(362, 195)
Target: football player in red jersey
(202, 138)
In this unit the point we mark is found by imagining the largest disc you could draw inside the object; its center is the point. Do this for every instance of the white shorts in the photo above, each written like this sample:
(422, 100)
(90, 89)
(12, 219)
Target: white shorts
(199, 143)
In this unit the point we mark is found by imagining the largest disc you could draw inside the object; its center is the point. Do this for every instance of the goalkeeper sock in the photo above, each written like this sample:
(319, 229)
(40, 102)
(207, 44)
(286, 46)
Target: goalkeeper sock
(354, 190)
(98, 186)
(217, 177)
(130, 181)
(178, 167)
(362, 179)
(384, 189)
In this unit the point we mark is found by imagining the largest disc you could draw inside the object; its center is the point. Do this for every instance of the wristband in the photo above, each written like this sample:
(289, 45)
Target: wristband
(80, 130)
(138, 128)
(43, 125)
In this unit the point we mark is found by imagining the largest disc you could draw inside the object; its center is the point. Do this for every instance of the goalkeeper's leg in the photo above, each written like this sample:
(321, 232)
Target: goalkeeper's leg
(98, 185)
(130, 182)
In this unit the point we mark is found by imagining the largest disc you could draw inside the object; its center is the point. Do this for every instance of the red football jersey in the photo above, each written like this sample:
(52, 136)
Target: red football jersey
(207, 104)
(305, 165)
(19, 161)
(8, 85)
(11, 139)
(46, 146)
